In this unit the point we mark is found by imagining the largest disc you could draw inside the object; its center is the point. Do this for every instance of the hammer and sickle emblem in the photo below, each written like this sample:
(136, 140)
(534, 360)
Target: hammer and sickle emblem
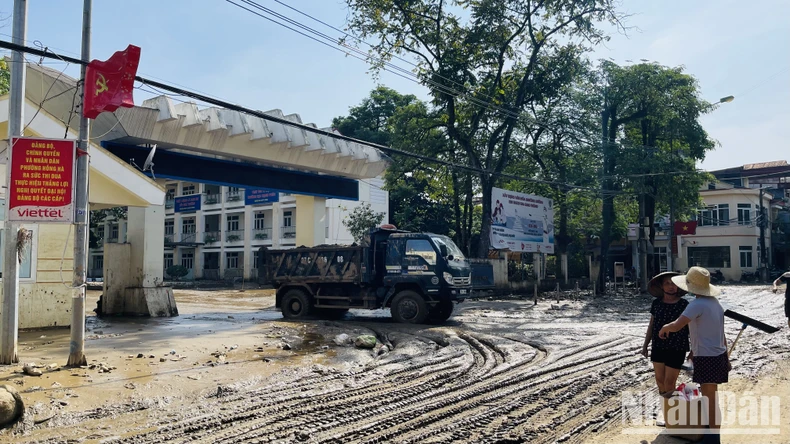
(101, 85)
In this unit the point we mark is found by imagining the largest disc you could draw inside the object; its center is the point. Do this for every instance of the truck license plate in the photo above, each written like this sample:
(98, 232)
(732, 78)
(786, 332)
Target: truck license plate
(463, 291)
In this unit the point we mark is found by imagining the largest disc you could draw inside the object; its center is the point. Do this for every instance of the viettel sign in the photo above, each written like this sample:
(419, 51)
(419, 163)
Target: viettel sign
(42, 180)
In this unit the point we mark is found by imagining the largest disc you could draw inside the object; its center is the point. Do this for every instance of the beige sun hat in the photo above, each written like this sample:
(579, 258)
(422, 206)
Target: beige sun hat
(697, 282)
(655, 288)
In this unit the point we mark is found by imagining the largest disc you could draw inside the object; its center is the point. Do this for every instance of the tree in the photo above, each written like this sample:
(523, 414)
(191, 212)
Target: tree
(97, 217)
(421, 194)
(361, 220)
(651, 140)
(484, 62)
(177, 271)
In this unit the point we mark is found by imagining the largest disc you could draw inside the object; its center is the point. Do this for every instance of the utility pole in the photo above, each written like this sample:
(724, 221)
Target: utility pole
(763, 255)
(603, 273)
(77, 347)
(10, 307)
(671, 258)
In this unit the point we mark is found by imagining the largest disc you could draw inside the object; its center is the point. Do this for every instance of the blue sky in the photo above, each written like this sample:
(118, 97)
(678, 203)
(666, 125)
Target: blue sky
(733, 48)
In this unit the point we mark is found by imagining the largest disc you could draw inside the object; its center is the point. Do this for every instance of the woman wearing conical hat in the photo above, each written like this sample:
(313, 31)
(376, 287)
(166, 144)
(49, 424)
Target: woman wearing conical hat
(705, 319)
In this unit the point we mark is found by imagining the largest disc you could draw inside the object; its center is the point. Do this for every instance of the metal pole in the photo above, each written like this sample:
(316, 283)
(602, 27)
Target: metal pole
(763, 223)
(77, 346)
(671, 258)
(16, 107)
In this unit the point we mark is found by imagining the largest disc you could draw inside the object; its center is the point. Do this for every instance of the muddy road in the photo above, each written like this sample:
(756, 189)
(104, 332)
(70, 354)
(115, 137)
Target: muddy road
(501, 371)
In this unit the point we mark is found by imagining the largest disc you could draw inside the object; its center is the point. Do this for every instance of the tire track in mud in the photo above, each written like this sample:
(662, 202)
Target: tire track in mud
(480, 388)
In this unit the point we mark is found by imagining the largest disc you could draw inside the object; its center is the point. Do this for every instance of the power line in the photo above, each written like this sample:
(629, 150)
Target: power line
(282, 121)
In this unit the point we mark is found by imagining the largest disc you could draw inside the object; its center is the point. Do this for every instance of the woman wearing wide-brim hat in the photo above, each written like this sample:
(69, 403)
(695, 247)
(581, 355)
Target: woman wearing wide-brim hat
(667, 354)
(705, 319)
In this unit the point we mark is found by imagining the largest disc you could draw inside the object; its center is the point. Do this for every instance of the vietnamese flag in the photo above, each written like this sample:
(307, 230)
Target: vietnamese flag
(685, 228)
(110, 84)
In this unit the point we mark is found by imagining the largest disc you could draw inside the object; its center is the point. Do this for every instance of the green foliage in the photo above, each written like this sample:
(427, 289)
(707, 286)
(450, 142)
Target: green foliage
(97, 217)
(361, 220)
(484, 62)
(177, 271)
(5, 77)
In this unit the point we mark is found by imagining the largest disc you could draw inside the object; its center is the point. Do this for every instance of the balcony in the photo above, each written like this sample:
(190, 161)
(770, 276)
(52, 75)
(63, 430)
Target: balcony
(211, 237)
(288, 232)
(234, 236)
(262, 234)
(112, 239)
(235, 197)
(211, 199)
(169, 238)
(188, 237)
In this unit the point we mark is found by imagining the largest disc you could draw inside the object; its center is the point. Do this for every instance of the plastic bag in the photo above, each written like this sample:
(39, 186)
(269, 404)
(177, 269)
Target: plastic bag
(688, 391)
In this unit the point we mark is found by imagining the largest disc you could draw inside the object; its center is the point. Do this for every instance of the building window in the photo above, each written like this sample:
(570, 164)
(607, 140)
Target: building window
(709, 257)
(170, 225)
(714, 216)
(98, 262)
(188, 190)
(254, 260)
(287, 218)
(188, 260)
(188, 226)
(232, 260)
(746, 256)
(260, 219)
(168, 260)
(233, 223)
(26, 267)
(663, 261)
(744, 214)
(114, 231)
(100, 232)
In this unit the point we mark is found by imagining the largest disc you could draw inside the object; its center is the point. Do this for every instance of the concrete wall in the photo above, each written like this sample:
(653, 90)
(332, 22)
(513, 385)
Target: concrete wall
(45, 300)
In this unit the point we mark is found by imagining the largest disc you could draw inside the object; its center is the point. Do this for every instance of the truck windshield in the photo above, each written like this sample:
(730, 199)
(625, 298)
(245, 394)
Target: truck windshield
(452, 249)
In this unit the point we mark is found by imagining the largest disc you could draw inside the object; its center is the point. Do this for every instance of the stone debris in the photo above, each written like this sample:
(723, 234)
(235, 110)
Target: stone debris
(342, 339)
(365, 341)
(32, 369)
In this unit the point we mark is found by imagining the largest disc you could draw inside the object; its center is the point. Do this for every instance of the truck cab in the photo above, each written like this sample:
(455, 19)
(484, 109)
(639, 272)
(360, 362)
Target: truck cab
(424, 264)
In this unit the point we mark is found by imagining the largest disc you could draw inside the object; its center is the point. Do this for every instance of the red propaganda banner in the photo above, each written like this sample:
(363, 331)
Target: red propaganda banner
(685, 228)
(42, 180)
(110, 84)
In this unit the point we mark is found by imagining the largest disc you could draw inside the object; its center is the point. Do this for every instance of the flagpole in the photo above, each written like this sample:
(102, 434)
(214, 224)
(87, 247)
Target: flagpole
(16, 107)
(77, 347)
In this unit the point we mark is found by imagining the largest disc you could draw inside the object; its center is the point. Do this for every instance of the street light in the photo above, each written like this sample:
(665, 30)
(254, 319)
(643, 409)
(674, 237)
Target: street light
(727, 99)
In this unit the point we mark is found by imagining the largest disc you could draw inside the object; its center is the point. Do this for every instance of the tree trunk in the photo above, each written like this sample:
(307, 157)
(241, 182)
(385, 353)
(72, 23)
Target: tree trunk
(609, 129)
(469, 212)
(485, 224)
(457, 207)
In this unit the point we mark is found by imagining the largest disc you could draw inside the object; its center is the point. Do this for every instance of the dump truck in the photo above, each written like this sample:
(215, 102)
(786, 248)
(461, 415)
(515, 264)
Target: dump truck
(419, 276)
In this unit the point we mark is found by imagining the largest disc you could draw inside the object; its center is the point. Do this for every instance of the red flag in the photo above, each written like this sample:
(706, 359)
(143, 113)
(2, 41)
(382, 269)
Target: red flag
(110, 84)
(685, 228)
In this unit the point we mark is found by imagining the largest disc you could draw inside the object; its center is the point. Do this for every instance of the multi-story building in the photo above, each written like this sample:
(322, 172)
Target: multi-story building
(215, 231)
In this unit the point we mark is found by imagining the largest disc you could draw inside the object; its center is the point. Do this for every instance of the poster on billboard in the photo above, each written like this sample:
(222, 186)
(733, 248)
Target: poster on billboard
(42, 180)
(521, 222)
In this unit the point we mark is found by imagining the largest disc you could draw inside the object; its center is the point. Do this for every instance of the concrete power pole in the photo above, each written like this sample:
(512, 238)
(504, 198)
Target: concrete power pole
(16, 107)
(763, 252)
(77, 348)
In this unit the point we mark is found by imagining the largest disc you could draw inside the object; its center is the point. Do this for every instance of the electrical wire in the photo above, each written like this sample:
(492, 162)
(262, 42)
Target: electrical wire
(308, 128)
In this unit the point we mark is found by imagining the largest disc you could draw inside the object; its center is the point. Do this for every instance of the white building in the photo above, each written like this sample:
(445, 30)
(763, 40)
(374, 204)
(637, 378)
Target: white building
(215, 231)
(727, 236)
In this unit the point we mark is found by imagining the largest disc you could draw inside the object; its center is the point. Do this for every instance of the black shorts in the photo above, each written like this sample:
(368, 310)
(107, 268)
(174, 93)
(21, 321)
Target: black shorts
(711, 369)
(670, 358)
(787, 306)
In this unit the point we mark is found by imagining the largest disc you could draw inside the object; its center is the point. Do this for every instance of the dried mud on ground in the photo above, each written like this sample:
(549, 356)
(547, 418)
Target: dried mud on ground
(230, 370)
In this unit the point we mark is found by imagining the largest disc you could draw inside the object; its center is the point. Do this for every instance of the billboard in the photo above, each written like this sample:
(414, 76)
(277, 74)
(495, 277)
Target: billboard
(42, 180)
(254, 196)
(187, 204)
(521, 222)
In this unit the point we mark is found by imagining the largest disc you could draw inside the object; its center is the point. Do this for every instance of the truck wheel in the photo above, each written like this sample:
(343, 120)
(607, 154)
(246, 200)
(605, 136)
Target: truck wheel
(409, 307)
(295, 304)
(441, 311)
